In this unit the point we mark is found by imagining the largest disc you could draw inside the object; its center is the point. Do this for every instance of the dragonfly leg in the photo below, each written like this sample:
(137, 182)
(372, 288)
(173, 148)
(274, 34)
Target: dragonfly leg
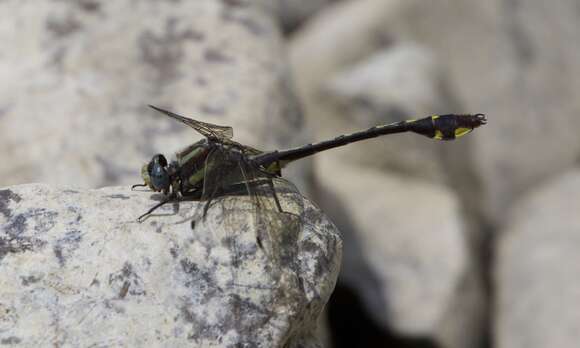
(167, 199)
(138, 185)
(208, 203)
(268, 178)
(195, 194)
(275, 195)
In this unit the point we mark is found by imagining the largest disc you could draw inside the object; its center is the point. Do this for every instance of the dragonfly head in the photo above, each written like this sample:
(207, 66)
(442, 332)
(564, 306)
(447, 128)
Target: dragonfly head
(155, 174)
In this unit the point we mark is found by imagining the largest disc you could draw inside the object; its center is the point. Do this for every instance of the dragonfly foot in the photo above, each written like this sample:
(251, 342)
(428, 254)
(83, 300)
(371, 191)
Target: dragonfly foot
(138, 185)
(141, 218)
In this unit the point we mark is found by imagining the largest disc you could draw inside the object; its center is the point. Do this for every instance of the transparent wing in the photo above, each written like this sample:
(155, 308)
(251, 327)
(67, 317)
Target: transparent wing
(208, 130)
(248, 223)
(272, 205)
(278, 212)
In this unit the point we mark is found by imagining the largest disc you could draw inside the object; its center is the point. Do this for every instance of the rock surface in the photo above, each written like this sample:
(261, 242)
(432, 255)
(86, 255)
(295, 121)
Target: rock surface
(404, 250)
(78, 77)
(537, 269)
(78, 74)
(77, 269)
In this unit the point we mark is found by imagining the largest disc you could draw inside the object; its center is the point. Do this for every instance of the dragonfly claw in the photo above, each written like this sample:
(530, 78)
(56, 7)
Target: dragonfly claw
(481, 118)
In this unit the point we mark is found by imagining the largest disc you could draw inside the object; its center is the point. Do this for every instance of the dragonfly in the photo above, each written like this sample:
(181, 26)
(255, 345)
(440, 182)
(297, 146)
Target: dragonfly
(218, 167)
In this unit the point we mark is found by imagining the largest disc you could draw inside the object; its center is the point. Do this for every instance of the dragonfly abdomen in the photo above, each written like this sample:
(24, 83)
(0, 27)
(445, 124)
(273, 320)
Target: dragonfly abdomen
(439, 127)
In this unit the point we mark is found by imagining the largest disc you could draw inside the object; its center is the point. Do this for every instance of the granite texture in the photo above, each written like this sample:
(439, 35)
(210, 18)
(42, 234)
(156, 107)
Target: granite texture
(77, 269)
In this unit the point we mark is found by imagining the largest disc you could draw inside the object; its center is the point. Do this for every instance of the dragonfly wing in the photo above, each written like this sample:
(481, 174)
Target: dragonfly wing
(278, 212)
(244, 193)
(208, 130)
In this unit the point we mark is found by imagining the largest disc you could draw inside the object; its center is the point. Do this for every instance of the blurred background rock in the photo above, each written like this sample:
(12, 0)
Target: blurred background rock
(464, 244)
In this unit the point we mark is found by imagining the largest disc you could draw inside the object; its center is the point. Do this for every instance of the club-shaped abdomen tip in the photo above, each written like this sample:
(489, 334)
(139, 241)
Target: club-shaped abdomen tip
(471, 120)
(481, 119)
(466, 123)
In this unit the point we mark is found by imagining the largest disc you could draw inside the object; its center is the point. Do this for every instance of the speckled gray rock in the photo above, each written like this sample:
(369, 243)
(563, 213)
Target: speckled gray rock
(537, 269)
(76, 269)
(77, 76)
(405, 251)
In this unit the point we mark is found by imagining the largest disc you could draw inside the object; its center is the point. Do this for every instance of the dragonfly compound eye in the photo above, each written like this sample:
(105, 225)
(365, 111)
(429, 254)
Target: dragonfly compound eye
(159, 158)
(158, 176)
